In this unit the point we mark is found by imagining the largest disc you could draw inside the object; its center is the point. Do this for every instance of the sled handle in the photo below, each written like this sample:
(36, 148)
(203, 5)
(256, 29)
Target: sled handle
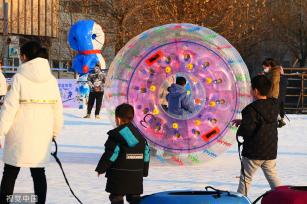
(219, 192)
(55, 153)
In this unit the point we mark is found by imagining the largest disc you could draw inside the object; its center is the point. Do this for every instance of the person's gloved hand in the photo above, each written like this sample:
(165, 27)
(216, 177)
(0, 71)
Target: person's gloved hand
(236, 122)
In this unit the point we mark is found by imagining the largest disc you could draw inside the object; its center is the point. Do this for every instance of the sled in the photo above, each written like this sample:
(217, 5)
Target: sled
(196, 197)
(286, 195)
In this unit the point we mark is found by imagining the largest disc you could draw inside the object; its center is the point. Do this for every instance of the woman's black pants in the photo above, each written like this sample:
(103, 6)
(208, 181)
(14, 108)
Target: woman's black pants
(10, 174)
(91, 100)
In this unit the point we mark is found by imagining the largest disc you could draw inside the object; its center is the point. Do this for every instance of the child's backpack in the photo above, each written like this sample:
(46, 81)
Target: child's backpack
(196, 197)
(285, 195)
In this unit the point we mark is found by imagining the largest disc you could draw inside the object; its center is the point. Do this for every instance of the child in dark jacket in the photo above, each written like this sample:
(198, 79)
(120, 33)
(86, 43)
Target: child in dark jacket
(126, 158)
(258, 128)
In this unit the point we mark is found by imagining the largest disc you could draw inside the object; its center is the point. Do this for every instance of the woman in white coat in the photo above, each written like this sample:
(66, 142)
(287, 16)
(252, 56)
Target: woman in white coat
(30, 117)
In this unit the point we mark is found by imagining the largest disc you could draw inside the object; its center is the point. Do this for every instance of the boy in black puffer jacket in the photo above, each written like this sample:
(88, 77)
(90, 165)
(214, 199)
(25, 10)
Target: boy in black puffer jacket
(258, 127)
(126, 158)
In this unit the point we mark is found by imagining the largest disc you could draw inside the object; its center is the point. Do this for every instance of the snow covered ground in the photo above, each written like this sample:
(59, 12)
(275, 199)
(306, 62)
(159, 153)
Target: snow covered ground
(81, 144)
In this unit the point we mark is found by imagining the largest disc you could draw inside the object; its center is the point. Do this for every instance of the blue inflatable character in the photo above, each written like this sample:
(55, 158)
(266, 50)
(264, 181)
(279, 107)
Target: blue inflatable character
(87, 38)
(83, 91)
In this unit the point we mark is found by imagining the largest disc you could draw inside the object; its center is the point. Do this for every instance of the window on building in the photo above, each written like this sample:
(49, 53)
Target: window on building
(16, 62)
(55, 64)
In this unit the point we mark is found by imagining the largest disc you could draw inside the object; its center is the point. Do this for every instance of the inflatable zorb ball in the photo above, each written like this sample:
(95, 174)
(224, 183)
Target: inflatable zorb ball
(87, 38)
(217, 88)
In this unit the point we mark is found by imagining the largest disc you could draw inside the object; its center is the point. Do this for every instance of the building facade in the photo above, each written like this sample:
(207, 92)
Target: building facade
(49, 22)
(22, 20)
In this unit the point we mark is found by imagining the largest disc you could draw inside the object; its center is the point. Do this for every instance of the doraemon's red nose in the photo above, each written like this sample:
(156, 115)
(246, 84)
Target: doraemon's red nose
(85, 69)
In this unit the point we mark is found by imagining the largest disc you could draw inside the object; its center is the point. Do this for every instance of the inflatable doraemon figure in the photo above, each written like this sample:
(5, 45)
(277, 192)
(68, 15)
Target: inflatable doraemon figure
(87, 38)
(83, 91)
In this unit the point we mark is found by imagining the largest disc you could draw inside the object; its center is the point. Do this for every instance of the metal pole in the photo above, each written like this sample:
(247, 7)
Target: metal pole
(303, 92)
(5, 34)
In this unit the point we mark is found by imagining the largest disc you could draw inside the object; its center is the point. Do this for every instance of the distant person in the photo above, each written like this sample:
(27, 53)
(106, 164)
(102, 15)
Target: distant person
(126, 158)
(31, 115)
(96, 82)
(3, 85)
(274, 71)
(258, 128)
(179, 102)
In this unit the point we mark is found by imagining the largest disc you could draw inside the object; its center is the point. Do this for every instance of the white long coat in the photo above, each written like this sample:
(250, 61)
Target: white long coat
(31, 115)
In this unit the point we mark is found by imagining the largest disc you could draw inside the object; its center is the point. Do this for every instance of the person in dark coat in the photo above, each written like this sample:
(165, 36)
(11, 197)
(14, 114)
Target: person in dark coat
(96, 82)
(274, 71)
(126, 158)
(258, 128)
(283, 83)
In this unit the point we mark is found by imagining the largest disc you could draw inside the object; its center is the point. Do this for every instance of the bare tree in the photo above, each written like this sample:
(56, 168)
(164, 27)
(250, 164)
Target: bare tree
(290, 26)
(241, 22)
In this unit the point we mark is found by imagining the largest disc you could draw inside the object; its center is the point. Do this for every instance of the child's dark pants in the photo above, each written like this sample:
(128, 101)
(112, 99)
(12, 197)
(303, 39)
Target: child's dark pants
(119, 199)
(10, 174)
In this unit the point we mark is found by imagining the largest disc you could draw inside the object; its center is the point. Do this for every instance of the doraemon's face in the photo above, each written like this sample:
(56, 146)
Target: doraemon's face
(97, 37)
(86, 35)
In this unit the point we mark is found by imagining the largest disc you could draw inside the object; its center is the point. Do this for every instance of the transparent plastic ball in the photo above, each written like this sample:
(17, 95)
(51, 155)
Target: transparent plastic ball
(184, 123)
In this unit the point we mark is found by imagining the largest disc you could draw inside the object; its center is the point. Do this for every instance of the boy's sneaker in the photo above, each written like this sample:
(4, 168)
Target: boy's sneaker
(281, 123)
(87, 116)
(97, 116)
